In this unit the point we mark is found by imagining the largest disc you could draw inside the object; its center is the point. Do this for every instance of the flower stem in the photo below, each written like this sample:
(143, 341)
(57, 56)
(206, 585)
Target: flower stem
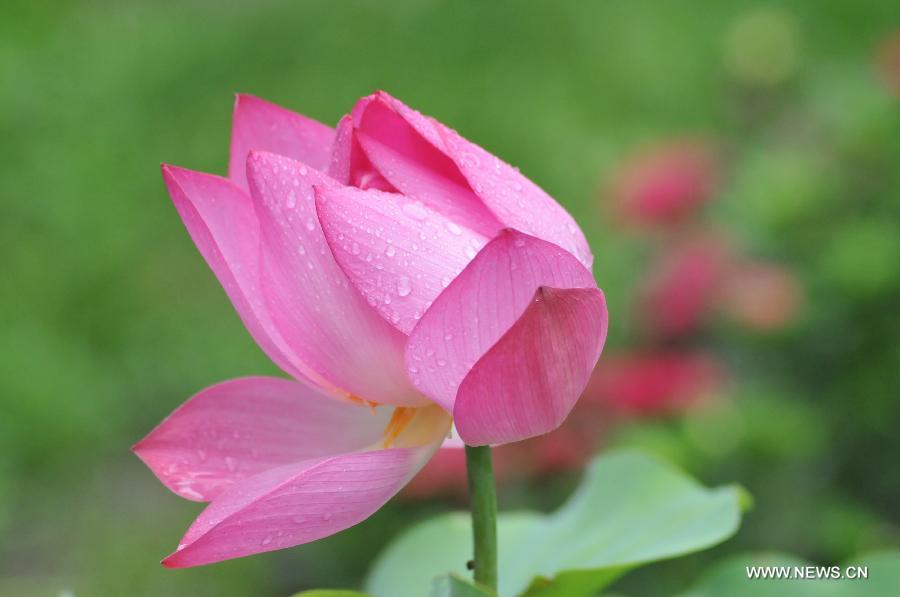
(483, 498)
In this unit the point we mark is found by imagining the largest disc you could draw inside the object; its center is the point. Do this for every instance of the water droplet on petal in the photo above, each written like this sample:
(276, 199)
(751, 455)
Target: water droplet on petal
(415, 211)
(403, 287)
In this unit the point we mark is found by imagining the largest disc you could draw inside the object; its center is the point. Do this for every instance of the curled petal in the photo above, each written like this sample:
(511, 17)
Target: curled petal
(503, 192)
(301, 502)
(480, 305)
(220, 218)
(324, 320)
(417, 167)
(263, 126)
(528, 382)
(242, 427)
(398, 253)
(349, 164)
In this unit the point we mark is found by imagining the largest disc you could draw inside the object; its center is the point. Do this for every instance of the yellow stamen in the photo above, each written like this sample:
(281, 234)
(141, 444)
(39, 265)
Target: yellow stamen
(399, 420)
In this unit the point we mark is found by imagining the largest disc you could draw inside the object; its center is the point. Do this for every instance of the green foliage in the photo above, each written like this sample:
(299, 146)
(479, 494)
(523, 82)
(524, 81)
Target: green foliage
(453, 585)
(629, 510)
(729, 577)
(330, 593)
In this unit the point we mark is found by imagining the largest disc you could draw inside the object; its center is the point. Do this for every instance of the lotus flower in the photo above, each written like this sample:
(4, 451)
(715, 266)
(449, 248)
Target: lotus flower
(401, 275)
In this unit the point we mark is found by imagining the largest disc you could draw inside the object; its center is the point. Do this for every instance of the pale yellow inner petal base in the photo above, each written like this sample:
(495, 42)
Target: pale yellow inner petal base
(411, 427)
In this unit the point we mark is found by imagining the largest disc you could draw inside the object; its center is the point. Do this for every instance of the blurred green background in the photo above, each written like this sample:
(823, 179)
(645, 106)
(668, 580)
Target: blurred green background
(110, 318)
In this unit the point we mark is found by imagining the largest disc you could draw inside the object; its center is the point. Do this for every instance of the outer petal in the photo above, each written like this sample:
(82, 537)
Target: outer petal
(481, 305)
(221, 221)
(239, 428)
(263, 126)
(509, 197)
(531, 378)
(323, 319)
(301, 502)
(397, 252)
(416, 167)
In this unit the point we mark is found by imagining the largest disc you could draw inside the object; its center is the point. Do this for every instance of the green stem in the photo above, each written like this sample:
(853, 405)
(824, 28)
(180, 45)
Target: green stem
(483, 497)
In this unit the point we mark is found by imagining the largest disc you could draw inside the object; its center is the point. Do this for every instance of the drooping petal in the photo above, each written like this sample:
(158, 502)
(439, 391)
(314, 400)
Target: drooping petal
(323, 319)
(397, 252)
(302, 502)
(527, 383)
(399, 136)
(263, 126)
(242, 427)
(349, 164)
(481, 305)
(416, 167)
(220, 218)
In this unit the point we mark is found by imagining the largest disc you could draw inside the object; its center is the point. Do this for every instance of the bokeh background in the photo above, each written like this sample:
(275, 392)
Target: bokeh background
(735, 165)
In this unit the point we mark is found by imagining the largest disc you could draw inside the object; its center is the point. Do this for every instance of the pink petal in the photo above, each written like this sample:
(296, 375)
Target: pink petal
(349, 164)
(323, 319)
(397, 252)
(481, 305)
(242, 427)
(298, 503)
(263, 126)
(509, 197)
(416, 167)
(220, 219)
(531, 378)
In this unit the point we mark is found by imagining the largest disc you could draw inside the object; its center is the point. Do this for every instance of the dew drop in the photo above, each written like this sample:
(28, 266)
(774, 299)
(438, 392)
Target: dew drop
(390, 251)
(403, 287)
(415, 211)
(453, 228)
(266, 540)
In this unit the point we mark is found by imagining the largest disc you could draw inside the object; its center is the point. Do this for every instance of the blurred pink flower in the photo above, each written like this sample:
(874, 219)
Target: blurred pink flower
(388, 262)
(663, 185)
(644, 383)
(888, 62)
(761, 296)
(683, 286)
(654, 383)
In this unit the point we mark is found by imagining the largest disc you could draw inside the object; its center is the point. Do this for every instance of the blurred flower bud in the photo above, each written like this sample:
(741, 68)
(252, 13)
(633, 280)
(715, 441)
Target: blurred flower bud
(654, 383)
(665, 183)
(682, 287)
(888, 62)
(762, 296)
